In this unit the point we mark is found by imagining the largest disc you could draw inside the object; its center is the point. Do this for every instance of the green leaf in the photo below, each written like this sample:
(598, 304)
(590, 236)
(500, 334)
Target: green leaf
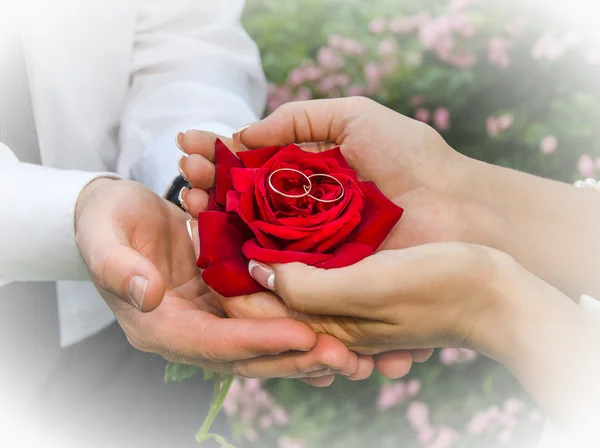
(208, 374)
(175, 372)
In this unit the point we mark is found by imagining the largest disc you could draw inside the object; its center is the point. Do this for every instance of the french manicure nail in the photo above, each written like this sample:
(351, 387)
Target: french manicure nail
(180, 168)
(181, 198)
(137, 290)
(179, 143)
(237, 135)
(188, 225)
(263, 274)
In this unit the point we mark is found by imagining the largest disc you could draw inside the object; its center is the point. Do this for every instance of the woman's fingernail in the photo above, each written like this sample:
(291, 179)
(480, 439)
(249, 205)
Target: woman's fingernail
(179, 143)
(188, 225)
(180, 168)
(263, 274)
(181, 198)
(137, 290)
(237, 135)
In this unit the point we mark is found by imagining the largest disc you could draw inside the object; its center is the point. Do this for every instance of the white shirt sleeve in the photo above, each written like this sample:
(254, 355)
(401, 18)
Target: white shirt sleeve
(37, 206)
(193, 67)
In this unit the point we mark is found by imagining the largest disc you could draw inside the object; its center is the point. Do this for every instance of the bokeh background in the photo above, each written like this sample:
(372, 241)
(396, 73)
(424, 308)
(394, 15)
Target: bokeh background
(511, 83)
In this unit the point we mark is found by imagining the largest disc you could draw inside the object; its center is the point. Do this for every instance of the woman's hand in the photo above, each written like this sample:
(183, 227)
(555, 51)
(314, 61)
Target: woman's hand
(435, 295)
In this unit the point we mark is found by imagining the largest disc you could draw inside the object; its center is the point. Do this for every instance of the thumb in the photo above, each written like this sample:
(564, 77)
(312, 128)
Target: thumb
(352, 291)
(304, 121)
(127, 274)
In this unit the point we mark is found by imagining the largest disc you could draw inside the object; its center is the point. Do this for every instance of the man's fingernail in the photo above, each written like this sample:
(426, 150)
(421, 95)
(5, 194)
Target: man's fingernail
(137, 290)
(237, 135)
(179, 143)
(181, 198)
(263, 274)
(180, 168)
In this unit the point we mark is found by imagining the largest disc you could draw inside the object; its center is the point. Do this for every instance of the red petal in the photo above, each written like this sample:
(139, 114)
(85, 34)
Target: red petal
(346, 255)
(243, 179)
(225, 160)
(254, 251)
(256, 158)
(222, 236)
(379, 218)
(336, 153)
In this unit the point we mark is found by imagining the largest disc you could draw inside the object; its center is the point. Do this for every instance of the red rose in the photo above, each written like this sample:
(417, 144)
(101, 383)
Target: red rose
(247, 219)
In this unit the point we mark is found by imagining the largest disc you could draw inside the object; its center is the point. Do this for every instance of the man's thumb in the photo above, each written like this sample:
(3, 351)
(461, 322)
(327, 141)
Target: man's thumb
(129, 275)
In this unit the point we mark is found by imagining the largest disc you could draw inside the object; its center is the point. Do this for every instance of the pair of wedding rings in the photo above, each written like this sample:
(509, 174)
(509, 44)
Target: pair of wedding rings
(307, 188)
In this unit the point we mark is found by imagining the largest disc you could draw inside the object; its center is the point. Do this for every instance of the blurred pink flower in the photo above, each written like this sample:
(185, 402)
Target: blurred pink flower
(417, 415)
(327, 84)
(423, 115)
(355, 91)
(265, 422)
(287, 442)
(425, 434)
(548, 47)
(586, 166)
(280, 416)
(330, 59)
(464, 59)
(492, 126)
(303, 94)
(387, 47)
(433, 31)
(342, 80)
(449, 356)
(417, 101)
(251, 385)
(505, 121)
(446, 437)
(296, 77)
(377, 25)
(549, 144)
(413, 387)
(498, 52)
(479, 423)
(312, 73)
(277, 96)
(230, 405)
(335, 41)
(441, 119)
(353, 47)
(391, 395)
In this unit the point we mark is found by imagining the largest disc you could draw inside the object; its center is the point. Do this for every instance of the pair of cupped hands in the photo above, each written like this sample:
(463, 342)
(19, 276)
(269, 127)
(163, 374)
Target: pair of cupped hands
(424, 288)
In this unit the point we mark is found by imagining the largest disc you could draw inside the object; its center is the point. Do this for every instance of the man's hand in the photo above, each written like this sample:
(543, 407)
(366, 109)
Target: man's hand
(141, 259)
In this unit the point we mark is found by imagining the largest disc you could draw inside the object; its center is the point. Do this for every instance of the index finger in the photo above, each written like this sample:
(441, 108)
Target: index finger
(305, 121)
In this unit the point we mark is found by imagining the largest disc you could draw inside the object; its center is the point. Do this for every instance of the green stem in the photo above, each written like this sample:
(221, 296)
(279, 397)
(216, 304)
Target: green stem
(220, 393)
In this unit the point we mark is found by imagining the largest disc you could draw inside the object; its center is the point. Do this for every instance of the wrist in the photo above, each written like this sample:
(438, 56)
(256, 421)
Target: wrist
(88, 192)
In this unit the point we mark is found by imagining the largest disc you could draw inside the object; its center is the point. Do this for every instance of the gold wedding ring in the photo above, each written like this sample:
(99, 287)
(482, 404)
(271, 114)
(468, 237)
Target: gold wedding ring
(307, 188)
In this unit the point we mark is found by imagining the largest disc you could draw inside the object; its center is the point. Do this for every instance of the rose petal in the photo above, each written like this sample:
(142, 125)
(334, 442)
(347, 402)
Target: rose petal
(243, 179)
(379, 218)
(254, 251)
(225, 160)
(256, 158)
(222, 236)
(346, 255)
